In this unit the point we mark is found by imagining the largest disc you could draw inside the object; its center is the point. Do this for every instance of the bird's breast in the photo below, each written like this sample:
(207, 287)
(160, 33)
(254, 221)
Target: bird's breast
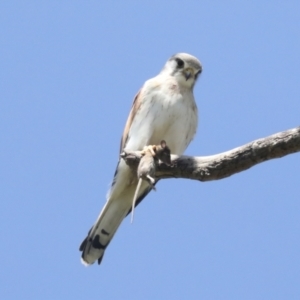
(166, 113)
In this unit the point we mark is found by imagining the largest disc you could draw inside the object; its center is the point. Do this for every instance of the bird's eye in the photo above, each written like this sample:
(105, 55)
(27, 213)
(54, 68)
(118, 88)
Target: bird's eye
(180, 62)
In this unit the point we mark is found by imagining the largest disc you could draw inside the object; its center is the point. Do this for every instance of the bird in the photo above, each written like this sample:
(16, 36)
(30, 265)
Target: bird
(163, 109)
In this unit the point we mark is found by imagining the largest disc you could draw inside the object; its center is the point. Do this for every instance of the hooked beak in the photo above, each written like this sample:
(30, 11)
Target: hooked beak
(187, 74)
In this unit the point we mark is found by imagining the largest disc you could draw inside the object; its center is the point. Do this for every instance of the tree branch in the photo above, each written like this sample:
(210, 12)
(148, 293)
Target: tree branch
(205, 168)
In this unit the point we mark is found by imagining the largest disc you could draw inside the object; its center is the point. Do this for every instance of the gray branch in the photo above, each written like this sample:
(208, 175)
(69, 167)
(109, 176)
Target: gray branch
(205, 168)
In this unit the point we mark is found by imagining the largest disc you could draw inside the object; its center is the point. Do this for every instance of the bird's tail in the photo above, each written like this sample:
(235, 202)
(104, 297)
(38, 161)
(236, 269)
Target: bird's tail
(102, 232)
(115, 210)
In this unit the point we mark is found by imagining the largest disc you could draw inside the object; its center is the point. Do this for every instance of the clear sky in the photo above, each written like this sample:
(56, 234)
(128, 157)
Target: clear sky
(68, 73)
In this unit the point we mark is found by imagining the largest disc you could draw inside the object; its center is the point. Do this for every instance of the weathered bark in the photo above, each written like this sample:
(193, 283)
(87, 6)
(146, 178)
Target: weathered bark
(225, 164)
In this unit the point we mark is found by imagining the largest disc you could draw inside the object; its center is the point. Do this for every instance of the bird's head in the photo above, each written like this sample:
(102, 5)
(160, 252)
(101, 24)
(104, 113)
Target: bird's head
(185, 67)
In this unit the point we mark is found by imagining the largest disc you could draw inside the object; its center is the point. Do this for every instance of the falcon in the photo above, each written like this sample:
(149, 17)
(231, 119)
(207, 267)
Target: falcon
(163, 109)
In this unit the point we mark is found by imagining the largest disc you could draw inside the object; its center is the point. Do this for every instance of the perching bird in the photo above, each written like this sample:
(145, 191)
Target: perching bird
(163, 109)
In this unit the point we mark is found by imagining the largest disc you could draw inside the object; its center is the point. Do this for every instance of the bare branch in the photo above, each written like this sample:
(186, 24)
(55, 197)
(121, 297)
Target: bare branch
(225, 164)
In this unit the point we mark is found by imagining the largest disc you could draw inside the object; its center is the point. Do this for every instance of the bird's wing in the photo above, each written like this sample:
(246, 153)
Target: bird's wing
(135, 107)
(120, 195)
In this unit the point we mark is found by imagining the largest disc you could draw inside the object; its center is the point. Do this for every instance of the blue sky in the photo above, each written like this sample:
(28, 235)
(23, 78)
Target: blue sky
(68, 73)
